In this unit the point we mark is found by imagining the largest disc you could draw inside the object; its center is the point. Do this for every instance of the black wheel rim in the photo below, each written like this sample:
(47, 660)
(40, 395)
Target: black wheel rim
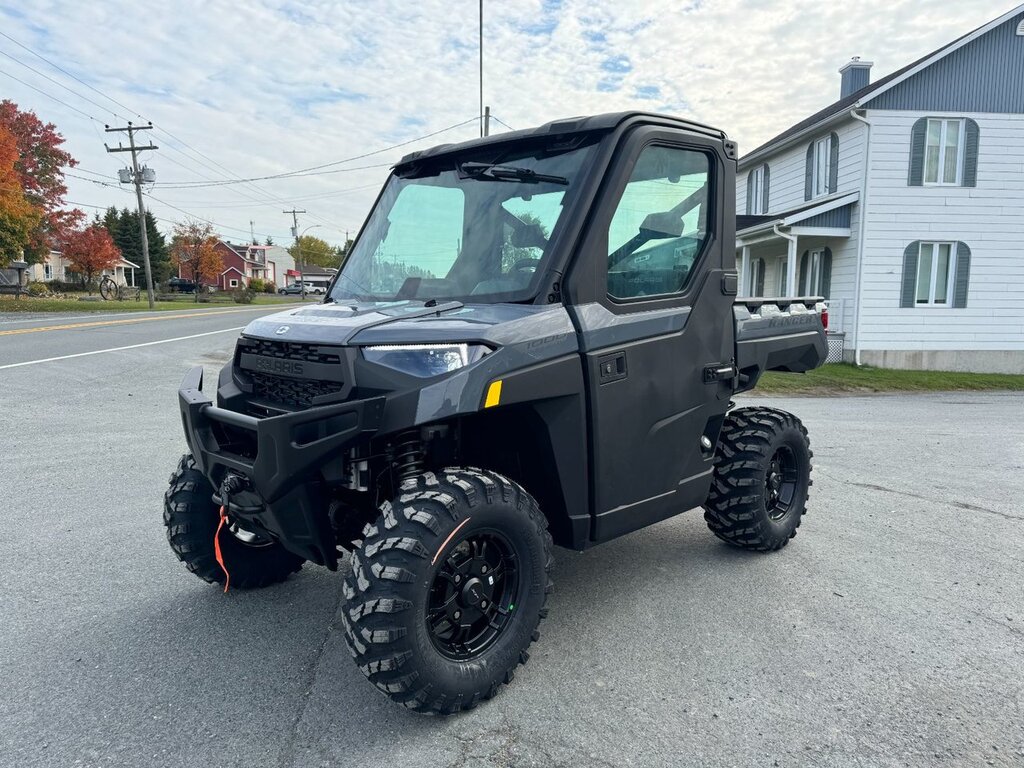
(472, 597)
(780, 483)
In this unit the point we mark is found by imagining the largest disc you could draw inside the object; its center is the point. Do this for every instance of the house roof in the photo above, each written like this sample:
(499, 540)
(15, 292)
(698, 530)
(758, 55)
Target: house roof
(857, 98)
(746, 225)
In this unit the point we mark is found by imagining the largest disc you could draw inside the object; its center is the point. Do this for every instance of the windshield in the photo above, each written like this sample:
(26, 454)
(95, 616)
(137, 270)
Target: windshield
(470, 228)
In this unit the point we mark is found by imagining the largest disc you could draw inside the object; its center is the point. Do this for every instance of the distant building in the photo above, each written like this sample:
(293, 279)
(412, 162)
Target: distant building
(903, 204)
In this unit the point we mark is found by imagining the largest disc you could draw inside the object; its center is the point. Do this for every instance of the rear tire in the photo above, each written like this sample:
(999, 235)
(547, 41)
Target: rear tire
(191, 518)
(426, 643)
(762, 477)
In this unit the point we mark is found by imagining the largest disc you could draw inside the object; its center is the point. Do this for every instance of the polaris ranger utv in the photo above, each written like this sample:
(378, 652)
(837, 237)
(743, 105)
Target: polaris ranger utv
(535, 340)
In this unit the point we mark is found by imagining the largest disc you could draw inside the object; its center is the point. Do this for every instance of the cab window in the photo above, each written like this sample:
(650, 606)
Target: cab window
(660, 225)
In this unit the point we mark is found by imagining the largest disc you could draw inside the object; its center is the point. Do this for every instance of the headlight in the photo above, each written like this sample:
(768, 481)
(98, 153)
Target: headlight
(425, 359)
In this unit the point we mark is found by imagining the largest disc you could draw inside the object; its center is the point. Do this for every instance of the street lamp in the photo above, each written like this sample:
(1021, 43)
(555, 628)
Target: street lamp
(298, 249)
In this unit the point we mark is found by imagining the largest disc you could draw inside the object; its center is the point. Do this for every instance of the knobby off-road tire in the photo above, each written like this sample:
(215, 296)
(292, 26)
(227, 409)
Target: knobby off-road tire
(762, 477)
(191, 518)
(445, 523)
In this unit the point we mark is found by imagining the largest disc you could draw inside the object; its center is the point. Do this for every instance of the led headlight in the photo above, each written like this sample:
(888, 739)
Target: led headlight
(425, 359)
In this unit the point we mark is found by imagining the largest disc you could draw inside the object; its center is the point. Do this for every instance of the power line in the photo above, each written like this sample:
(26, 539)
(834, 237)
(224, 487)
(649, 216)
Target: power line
(48, 95)
(69, 74)
(497, 120)
(60, 84)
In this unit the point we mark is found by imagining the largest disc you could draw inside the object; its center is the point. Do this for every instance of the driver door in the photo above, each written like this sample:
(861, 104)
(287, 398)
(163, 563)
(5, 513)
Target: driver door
(659, 317)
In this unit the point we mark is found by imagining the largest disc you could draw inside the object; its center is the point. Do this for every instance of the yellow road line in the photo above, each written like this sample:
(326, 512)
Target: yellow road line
(125, 321)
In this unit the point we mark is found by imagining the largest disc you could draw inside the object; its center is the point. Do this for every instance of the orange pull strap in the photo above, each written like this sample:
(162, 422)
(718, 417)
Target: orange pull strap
(216, 548)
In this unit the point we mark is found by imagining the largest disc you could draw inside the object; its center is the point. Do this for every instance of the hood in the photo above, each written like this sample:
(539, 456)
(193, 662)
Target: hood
(403, 322)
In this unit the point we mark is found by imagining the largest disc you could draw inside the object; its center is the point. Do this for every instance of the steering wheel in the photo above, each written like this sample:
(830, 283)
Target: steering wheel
(524, 265)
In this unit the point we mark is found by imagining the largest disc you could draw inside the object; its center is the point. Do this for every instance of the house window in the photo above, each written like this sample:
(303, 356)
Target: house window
(811, 284)
(783, 274)
(756, 191)
(822, 169)
(943, 152)
(47, 272)
(756, 286)
(935, 264)
(233, 283)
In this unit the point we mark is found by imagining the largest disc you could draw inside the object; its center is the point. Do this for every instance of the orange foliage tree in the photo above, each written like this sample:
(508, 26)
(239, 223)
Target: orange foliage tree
(18, 217)
(193, 252)
(90, 251)
(40, 165)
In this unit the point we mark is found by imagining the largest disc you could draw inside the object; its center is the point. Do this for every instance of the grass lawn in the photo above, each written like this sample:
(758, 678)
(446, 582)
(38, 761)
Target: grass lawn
(29, 304)
(842, 378)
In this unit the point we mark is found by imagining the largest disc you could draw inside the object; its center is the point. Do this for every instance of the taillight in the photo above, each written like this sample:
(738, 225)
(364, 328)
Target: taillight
(824, 319)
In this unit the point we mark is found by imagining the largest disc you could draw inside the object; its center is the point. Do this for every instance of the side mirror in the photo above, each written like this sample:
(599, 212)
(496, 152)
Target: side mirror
(529, 235)
(661, 225)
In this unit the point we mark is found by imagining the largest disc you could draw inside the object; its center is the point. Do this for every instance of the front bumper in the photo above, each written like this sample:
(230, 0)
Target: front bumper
(281, 457)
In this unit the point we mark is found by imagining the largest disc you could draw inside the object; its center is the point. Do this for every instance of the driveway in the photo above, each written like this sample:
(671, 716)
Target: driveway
(890, 632)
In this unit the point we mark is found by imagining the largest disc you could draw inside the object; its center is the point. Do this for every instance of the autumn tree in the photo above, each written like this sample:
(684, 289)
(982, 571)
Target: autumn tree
(312, 251)
(18, 218)
(193, 253)
(90, 251)
(40, 167)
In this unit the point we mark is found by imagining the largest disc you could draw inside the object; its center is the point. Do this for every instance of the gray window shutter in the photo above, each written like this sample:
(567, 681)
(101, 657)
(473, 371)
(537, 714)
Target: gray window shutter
(915, 178)
(802, 274)
(826, 273)
(759, 287)
(971, 154)
(809, 171)
(750, 192)
(767, 184)
(909, 292)
(963, 275)
(833, 171)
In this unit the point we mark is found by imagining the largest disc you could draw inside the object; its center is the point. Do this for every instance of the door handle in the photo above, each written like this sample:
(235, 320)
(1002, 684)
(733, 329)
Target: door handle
(612, 367)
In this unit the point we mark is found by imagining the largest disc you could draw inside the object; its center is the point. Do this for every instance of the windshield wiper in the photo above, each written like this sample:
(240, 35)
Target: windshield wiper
(509, 173)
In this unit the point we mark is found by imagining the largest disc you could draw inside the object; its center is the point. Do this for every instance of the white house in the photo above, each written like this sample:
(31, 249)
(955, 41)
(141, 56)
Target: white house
(903, 204)
(55, 267)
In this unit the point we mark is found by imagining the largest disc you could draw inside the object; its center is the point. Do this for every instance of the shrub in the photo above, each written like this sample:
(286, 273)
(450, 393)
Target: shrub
(256, 285)
(38, 289)
(270, 287)
(243, 296)
(63, 286)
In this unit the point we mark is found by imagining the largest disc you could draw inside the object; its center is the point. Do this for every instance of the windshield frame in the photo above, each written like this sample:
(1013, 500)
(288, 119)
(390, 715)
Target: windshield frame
(543, 284)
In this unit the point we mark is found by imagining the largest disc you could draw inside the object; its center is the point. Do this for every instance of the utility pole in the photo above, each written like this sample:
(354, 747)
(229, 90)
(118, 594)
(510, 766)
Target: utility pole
(487, 121)
(137, 180)
(482, 128)
(298, 249)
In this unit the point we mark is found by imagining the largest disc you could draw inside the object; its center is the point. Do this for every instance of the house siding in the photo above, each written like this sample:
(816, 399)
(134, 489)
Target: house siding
(788, 168)
(988, 217)
(986, 75)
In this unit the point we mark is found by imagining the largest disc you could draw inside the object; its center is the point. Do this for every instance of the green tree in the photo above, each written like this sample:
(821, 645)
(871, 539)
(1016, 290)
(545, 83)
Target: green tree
(270, 240)
(124, 229)
(313, 252)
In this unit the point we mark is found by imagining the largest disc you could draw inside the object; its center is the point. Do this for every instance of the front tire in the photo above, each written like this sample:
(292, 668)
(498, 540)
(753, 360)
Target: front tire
(762, 476)
(447, 589)
(191, 519)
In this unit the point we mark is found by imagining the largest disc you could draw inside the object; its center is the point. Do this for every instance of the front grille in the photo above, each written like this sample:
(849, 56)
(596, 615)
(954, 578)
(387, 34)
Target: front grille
(290, 350)
(310, 370)
(294, 392)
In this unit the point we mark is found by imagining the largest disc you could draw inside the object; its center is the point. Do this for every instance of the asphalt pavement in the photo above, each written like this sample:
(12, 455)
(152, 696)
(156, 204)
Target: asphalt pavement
(890, 632)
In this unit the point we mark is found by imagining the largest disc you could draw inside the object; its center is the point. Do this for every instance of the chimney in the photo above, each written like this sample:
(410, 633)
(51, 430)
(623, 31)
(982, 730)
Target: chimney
(856, 74)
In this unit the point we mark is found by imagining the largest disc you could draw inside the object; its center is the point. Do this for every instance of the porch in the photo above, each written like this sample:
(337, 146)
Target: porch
(809, 251)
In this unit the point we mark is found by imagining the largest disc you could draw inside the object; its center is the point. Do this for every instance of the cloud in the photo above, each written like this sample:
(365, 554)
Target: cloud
(262, 86)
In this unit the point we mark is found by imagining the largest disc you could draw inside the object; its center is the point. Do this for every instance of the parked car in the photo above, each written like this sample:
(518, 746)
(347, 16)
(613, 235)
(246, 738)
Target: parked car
(296, 288)
(181, 285)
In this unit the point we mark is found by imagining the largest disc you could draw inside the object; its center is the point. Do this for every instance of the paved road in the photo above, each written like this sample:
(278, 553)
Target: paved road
(889, 633)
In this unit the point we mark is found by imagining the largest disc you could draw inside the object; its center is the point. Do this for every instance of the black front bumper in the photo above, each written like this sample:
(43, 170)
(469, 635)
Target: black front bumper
(281, 457)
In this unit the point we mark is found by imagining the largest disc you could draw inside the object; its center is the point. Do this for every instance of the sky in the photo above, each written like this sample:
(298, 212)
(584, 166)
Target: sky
(253, 88)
